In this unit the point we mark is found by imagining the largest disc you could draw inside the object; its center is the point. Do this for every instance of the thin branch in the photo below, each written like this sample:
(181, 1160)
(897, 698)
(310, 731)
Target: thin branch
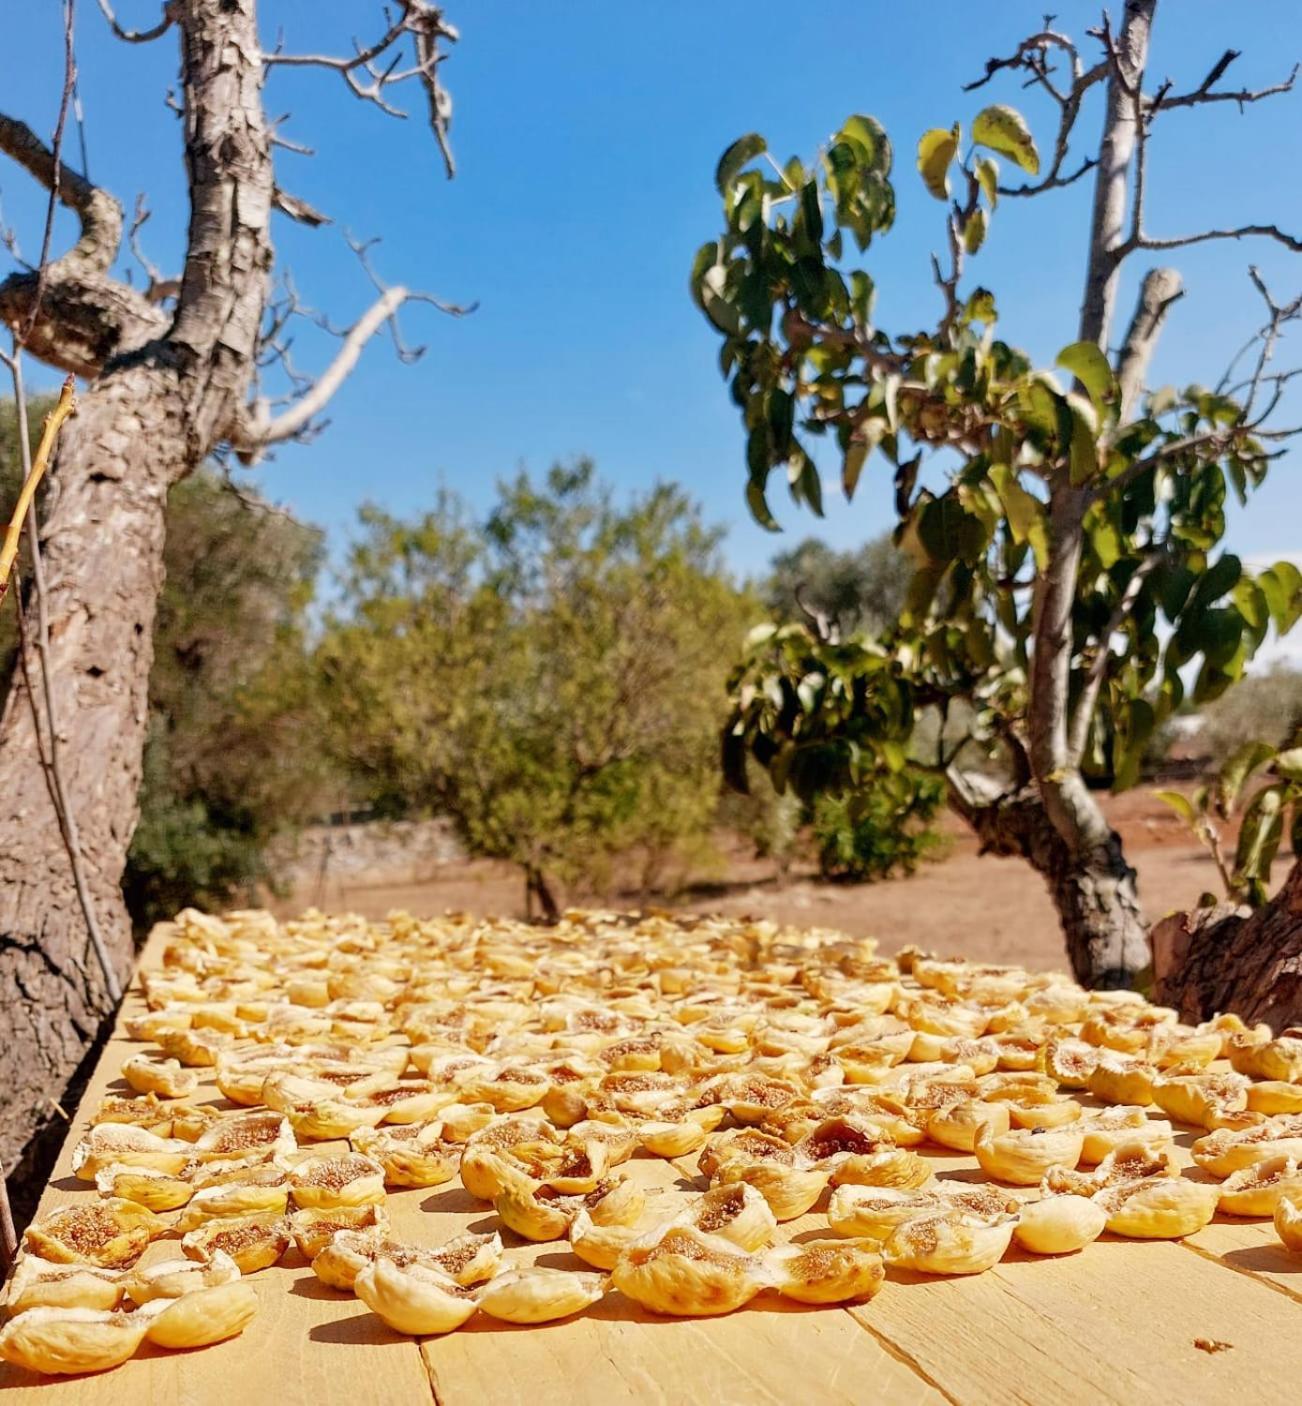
(56, 165)
(138, 36)
(258, 429)
(159, 288)
(372, 70)
(298, 209)
(1203, 94)
(1120, 482)
(64, 407)
(1274, 232)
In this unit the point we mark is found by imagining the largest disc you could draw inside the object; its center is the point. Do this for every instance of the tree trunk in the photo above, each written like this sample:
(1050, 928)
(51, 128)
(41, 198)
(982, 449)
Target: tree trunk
(103, 543)
(165, 396)
(1093, 889)
(536, 886)
(1234, 959)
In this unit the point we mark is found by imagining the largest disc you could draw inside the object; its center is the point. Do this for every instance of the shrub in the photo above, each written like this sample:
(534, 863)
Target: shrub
(882, 829)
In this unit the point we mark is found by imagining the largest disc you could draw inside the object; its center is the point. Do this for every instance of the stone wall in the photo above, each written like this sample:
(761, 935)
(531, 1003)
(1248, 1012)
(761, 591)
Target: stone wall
(384, 851)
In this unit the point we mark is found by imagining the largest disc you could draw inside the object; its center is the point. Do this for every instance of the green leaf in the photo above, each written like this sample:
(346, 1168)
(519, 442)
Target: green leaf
(1239, 768)
(1281, 584)
(1289, 764)
(936, 150)
(1180, 803)
(1024, 511)
(974, 231)
(716, 307)
(862, 442)
(1260, 835)
(871, 135)
(759, 508)
(1003, 129)
(987, 174)
(981, 306)
(1084, 452)
(1090, 367)
(744, 149)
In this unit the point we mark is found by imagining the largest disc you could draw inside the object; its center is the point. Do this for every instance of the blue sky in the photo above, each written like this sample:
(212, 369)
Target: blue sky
(586, 134)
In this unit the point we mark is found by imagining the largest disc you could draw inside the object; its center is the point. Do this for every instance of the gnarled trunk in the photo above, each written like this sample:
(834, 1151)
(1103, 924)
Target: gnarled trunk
(103, 547)
(162, 399)
(1234, 959)
(1093, 889)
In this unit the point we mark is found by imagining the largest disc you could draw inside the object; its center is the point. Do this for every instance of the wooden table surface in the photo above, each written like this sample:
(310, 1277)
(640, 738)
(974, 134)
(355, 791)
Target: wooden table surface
(1116, 1323)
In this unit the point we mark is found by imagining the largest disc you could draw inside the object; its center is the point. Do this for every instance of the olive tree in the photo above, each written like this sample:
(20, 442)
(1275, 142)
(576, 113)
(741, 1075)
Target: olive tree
(1065, 524)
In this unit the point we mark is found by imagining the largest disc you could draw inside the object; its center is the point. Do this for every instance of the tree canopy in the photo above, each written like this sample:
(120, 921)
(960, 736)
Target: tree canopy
(550, 677)
(1065, 524)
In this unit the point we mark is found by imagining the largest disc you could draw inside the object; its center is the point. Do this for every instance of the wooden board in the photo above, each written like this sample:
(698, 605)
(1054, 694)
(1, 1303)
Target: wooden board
(1115, 1324)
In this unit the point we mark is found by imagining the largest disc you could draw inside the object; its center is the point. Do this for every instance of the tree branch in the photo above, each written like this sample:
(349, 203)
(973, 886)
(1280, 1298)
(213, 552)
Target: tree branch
(1203, 94)
(1161, 289)
(258, 429)
(1274, 232)
(424, 23)
(139, 36)
(86, 316)
(1084, 711)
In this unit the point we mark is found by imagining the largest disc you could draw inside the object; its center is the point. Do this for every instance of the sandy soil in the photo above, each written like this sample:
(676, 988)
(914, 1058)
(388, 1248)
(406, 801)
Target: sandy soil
(965, 904)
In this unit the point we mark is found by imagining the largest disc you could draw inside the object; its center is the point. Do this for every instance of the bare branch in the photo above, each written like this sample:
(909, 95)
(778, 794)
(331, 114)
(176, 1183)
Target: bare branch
(160, 288)
(1028, 52)
(138, 36)
(86, 315)
(298, 209)
(258, 428)
(1274, 232)
(1161, 289)
(372, 70)
(1203, 94)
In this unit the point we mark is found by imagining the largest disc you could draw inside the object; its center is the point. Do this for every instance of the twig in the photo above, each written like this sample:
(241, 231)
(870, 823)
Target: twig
(56, 148)
(137, 36)
(424, 23)
(8, 1235)
(64, 407)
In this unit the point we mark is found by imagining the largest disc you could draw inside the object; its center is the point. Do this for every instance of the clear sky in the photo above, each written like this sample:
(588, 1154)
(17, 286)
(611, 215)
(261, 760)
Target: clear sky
(587, 132)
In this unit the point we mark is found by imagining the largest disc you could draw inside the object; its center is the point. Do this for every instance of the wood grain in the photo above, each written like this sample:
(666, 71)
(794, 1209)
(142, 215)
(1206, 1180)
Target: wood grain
(1117, 1323)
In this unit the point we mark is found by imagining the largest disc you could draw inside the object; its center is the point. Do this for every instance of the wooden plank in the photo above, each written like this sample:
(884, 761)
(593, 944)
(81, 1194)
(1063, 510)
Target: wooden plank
(1113, 1324)
(303, 1345)
(1116, 1323)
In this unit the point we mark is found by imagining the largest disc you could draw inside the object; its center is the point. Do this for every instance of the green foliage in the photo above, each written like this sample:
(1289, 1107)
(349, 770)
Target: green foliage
(877, 831)
(1264, 705)
(861, 590)
(233, 759)
(551, 678)
(972, 434)
(1267, 813)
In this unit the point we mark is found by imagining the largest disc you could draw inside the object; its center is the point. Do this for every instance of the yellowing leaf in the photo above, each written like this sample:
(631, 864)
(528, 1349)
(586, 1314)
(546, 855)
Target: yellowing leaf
(1024, 511)
(974, 232)
(1003, 129)
(1090, 367)
(936, 150)
(987, 174)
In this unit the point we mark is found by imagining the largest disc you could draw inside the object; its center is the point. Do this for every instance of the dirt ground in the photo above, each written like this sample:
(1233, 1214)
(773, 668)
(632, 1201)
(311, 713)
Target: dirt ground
(965, 904)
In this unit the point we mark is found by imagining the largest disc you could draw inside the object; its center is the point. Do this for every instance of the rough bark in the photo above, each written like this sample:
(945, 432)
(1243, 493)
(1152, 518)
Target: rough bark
(161, 399)
(1234, 959)
(1093, 888)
